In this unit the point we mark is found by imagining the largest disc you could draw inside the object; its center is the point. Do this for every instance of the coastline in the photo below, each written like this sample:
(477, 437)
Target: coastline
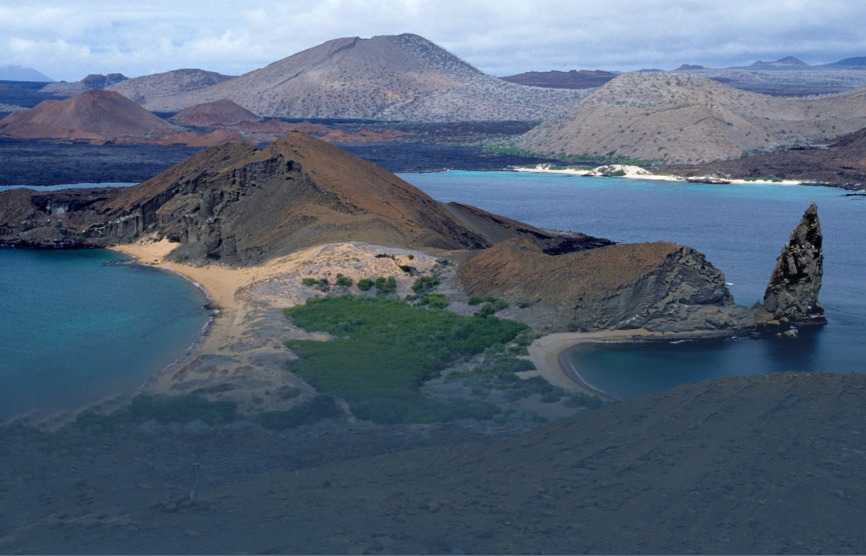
(638, 173)
(550, 354)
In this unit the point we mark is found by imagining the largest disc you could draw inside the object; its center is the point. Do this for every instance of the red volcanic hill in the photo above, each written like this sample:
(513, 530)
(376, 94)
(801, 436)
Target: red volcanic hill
(90, 116)
(219, 113)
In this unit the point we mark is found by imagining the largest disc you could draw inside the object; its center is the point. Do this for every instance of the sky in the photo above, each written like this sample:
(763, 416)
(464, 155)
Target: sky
(68, 39)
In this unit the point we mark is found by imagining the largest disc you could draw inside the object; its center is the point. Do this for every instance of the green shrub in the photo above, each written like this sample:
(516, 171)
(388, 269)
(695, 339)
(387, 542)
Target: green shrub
(425, 285)
(475, 300)
(379, 363)
(344, 281)
(320, 407)
(434, 301)
(309, 281)
(386, 286)
(579, 399)
(365, 284)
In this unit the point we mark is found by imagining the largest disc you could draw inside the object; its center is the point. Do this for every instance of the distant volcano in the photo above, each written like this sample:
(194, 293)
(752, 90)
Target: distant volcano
(93, 115)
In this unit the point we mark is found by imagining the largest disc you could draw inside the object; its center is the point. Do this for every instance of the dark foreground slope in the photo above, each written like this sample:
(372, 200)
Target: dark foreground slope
(759, 465)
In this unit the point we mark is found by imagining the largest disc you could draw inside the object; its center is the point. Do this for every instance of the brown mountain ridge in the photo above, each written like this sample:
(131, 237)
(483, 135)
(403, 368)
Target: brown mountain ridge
(244, 205)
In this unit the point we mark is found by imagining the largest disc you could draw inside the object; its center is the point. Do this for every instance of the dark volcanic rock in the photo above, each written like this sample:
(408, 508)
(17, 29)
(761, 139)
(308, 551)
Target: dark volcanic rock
(244, 205)
(657, 286)
(794, 285)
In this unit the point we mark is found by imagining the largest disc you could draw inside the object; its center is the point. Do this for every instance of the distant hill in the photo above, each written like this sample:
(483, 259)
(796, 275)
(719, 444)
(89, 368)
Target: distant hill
(154, 91)
(848, 63)
(90, 116)
(842, 162)
(685, 118)
(786, 63)
(689, 67)
(218, 113)
(92, 81)
(402, 77)
(582, 79)
(19, 73)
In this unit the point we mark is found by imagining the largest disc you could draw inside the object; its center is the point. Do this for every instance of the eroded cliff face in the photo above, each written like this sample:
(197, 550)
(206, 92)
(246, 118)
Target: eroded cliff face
(242, 205)
(792, 293)
(656, 286)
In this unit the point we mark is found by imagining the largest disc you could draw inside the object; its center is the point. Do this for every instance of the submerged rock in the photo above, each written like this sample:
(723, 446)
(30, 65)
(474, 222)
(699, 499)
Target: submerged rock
(794, 285)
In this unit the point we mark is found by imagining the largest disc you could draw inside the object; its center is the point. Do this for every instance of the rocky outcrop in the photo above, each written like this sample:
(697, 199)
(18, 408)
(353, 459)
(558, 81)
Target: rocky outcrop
(657, 286)
(792, 293)
(244, 205)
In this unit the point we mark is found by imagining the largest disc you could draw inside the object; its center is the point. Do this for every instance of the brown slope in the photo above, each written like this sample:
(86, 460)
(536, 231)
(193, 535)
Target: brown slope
(401, 77)
(91, 115)
(218, 113)
(842, 162)
(244, 205)
(684, 118)
(657, 286)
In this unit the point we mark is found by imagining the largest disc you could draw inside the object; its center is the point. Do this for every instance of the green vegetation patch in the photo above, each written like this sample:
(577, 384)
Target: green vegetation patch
(385, 350)
(183, 409)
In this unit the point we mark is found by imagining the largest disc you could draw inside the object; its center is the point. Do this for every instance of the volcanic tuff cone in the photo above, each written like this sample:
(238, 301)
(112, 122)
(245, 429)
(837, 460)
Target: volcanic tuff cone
(91, 116)
(684, 118)
(402, 77)
(796, 280)
(218, 113)
(244, 205)
(657, 286)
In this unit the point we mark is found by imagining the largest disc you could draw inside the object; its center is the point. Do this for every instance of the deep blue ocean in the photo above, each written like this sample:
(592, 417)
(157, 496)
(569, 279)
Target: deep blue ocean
(740, 228)
(76, 326)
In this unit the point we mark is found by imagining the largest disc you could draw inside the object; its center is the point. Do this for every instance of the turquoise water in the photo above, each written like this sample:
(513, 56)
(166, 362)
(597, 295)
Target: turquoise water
(740, 228)
(76, 326)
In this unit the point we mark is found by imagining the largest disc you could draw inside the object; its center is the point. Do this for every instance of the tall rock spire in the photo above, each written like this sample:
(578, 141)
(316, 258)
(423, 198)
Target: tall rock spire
(794, 285)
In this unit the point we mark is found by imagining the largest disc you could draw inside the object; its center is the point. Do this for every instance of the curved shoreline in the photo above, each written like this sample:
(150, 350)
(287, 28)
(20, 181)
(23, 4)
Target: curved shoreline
(550, 354)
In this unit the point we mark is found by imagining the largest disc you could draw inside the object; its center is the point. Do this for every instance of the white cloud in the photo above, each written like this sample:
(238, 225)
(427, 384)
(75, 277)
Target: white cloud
(68, 39)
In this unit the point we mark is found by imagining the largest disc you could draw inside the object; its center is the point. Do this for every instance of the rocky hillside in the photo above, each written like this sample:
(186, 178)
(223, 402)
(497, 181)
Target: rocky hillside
(842, 162)
(684, 118)
(402, 77)
(243, 205)
(214, 114)
(582, 79)
(151, 91)
(90, 116)
(657, 286)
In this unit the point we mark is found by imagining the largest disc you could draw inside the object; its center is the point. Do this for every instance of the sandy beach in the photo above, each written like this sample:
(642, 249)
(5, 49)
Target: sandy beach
(636, 172)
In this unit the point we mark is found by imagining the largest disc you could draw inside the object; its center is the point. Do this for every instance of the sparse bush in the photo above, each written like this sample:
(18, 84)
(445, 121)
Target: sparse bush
(475, 300)
(365, 284)
(425, 285)
(344, 281)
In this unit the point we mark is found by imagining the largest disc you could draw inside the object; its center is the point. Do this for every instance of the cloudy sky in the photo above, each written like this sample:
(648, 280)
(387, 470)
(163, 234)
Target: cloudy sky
(67, 39)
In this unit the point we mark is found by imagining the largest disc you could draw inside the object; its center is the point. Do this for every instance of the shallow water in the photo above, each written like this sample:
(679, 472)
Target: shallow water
(740, 228)
(80, 325)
